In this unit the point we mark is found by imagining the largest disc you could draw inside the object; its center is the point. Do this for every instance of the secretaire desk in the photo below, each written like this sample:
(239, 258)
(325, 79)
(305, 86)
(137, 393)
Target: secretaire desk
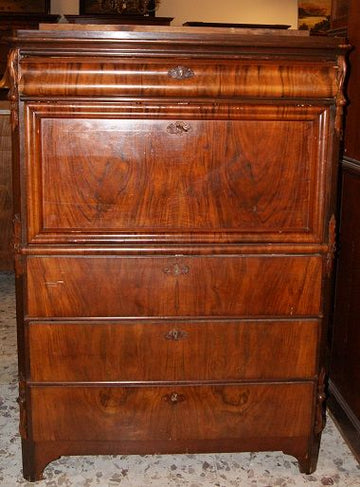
(174, 238)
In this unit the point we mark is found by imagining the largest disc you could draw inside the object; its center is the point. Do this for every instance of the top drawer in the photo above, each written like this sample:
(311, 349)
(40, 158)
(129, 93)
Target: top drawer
(176, 78)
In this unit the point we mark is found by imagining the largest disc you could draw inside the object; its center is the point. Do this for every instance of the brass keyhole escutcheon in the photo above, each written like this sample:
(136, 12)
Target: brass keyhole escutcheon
(174, 398)
(178, 128)
(176, 335)
(181, 72)
(176, 270)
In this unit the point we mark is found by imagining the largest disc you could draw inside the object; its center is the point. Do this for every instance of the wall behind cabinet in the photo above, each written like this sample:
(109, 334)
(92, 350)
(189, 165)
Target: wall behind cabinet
(241, 11)
(64, 7)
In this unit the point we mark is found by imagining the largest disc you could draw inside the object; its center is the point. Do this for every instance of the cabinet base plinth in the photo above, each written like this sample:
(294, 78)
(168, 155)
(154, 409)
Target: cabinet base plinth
(37, 455)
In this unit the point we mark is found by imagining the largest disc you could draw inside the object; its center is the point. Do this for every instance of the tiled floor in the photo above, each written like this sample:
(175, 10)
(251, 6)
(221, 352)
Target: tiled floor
(336, 464)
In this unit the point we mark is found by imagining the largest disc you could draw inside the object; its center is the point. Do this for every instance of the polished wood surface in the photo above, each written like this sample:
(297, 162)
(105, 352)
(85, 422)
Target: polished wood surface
(166, 77)
(175, 236)
(345, 368)
(6, 256)
(345, 420)
(351, 145)
(172, 351)
(110, 192)
(345, 359)
(174, 286)
(9, 22)
(170, 413)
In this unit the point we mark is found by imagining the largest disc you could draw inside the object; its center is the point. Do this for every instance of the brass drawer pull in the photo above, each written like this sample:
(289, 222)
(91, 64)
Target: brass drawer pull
(181, 72)
(176, 335)
(178, 128)
(174, 398)
(176, 270)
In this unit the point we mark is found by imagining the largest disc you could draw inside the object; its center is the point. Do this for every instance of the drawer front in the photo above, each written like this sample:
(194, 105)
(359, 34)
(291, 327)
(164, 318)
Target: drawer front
(171, 78)
(171, 413)
(173, 286)
(224, 350)
(131, 173)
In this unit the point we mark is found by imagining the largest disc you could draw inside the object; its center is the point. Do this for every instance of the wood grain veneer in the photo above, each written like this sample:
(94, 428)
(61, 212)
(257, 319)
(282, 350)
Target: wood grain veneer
(174, 235)
(114, 194)
(173, 286)
(171, 351)
(168, 413)
(6, 257)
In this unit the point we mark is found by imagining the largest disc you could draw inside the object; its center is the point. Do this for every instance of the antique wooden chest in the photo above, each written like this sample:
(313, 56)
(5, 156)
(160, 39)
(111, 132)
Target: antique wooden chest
(174, 238)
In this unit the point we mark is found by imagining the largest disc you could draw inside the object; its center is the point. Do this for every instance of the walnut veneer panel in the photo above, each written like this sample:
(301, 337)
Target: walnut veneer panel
(143, 351)
(122, 177)
(6, 211)
(171, 413)
(169, 286)
(267, 79)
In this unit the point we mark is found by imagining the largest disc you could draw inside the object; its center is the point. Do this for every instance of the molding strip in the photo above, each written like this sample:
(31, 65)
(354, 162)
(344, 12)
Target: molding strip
(351, 163)
(344, 405)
